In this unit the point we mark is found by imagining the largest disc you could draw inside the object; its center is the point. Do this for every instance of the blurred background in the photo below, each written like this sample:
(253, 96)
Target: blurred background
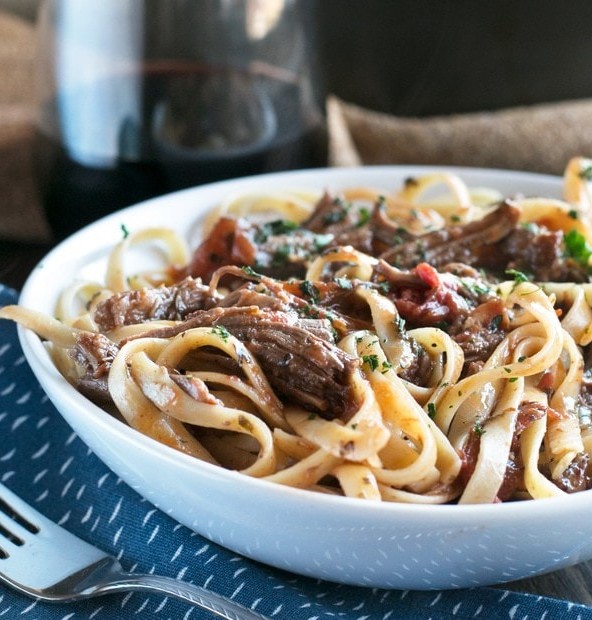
(498, 84)
(420, 57)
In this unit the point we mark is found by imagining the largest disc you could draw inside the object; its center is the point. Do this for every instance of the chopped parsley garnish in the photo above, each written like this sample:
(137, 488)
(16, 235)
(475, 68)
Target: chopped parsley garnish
(344, 283)
(339, 214)
(420, 248)
(125, 231)
(586, 173)
(386, 366)
(479, 430)
(364, 217)
(322, 241)
(400, 236)
(432, 410)
(475, 287)
(577, 247)
(518, 276)
(249, 271)
(221, 331)
(384, 287)
(277, 227)
(309, 290)
(530, 227)
(495, 322)
(334, 217)
(573, 214)
(281, 255)
(371, 360)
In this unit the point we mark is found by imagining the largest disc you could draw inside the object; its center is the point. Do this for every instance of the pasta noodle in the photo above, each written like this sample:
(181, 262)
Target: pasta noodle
(426, 344)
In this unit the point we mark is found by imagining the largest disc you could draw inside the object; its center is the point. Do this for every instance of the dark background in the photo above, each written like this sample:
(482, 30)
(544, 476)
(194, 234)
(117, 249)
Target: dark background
(427, 57)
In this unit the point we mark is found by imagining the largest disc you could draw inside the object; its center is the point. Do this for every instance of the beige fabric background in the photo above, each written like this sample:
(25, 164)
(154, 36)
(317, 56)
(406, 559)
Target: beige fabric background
(21, 216)
(538, 138)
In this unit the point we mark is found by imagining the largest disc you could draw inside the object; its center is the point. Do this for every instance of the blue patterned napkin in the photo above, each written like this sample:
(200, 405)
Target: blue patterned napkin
(47, 464)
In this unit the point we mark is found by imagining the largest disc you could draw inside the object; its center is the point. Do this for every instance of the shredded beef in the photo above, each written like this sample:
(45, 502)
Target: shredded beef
(302, 365)
(195, 387)
(386, 233)
(421, 366)
(279, 249)
(576, 477)
(538, 252)
(467, 244)
(584, 404)
(332, 215)
(172, 303)
(94, 354)
(481, 331)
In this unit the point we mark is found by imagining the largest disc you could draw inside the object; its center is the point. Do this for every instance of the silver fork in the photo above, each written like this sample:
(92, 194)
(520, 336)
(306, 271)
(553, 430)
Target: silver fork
(43, 560)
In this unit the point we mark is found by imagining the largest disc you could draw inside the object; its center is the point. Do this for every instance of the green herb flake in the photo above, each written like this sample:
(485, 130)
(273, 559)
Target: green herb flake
(364, 217)
(249, 271)
(371, 360)
(586, 173)
(271, 229)
(320, 242)
(337, 215)
(221, 331)
(577, 247)
(432, 410)
(281, 255)
(518, 276)
(495, 322)
(309, 290)
(125, 231)
(478, 429)
(475, 287)
(529, 226)
(344, 283)
(573, 214)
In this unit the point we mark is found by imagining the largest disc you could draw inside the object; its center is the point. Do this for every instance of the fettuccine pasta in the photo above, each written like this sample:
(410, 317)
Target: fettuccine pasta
(424, 344)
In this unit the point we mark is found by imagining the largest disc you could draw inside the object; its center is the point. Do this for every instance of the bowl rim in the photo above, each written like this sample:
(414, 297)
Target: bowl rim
(53, 382)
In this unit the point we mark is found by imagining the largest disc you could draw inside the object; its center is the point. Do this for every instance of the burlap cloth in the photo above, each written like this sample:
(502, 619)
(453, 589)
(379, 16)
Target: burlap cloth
(537, 138)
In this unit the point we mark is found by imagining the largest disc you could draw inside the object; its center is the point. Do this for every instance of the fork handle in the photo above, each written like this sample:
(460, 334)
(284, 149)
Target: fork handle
(206, 599)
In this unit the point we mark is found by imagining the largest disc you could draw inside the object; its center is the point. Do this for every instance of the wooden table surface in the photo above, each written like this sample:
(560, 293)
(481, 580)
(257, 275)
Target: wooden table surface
(573, 584)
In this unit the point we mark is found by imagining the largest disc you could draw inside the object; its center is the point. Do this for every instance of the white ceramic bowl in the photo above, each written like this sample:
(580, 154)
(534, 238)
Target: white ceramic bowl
(333, 538)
